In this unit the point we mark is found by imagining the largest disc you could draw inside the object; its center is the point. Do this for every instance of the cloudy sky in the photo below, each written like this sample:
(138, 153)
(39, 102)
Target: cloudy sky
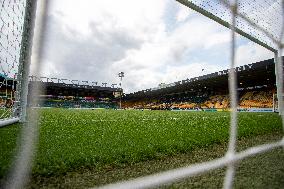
(153, 42)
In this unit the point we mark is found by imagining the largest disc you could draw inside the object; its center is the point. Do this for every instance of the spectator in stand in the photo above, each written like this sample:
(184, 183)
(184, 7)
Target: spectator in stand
(9, 103)
(2, 103)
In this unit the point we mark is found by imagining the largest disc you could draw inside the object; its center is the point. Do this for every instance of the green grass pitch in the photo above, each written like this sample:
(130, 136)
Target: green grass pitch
(72, 139)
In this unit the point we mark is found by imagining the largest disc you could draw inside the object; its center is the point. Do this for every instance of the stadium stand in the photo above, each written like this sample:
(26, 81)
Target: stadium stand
(217, 101)
(67, 94)
(255, 90)
(7, 89)
(257, 99)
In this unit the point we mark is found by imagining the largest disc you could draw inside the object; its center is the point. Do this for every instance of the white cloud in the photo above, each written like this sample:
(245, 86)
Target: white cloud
(139, 17)
(183, 13)
(51, 70)
(94, 40)
(251, 53)
(149, 78)
(178, 73)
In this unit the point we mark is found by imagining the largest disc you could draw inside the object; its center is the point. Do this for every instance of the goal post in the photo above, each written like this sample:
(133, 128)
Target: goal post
(25, 58)
(275, 104)
(278, 99)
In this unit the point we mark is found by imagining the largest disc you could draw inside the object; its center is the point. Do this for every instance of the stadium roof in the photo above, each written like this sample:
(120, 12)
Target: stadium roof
(259, 74)
(76, 87)
(64, 87)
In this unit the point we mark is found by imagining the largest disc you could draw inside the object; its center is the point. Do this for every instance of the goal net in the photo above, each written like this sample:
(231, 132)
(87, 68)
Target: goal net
(259, 21)
(16, 28)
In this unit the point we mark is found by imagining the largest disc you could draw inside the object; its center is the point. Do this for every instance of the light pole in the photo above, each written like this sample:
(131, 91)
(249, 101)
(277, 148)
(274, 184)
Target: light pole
(120, 75)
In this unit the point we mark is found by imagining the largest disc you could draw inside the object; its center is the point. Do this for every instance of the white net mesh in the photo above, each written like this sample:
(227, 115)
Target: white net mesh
(11, 26)
(12, 21)
(257, 19)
